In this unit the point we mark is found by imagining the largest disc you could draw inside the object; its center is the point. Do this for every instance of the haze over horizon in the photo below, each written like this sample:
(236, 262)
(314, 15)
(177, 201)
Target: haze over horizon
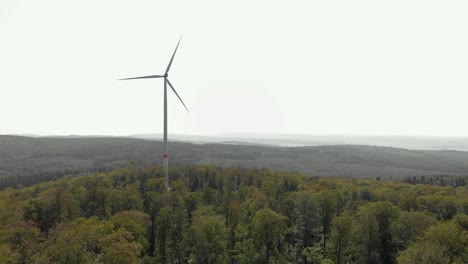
(289, 140)
(264, 67)
(239, 134)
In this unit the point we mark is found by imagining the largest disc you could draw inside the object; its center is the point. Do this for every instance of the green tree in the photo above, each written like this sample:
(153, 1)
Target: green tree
(306, 220)
(326, 201)
(444, 242)
(385, 213)
(7, 255)
(24, 241)
(408, 227)
(76, 242)
(135, 222)
(246, 252)
(171, 225)
(423, 252)
(340, 237)
(233, 221)
(207, 238)
(443, 207)
(365, 242)
(119, 247)
(315, 255)
(123, 199)
(268, 229)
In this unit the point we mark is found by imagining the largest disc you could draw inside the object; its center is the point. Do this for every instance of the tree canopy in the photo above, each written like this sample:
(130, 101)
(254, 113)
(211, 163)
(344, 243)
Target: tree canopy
(231, 215)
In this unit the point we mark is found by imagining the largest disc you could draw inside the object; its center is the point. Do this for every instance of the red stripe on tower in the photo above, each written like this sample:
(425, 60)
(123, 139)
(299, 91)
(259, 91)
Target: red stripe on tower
(165, 156)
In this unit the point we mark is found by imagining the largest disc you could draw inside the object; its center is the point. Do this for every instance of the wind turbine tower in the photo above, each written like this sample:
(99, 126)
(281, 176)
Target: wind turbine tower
(166, 83)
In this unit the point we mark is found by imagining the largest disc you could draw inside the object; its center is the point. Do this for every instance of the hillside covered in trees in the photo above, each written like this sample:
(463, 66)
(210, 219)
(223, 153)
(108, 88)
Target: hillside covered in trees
(231, 215)
(25, 161)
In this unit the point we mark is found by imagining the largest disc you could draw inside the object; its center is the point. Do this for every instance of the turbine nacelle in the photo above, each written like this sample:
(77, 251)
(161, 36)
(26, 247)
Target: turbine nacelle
(166, 74)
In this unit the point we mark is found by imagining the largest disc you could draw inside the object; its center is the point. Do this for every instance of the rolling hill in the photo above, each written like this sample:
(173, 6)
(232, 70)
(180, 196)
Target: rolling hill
(27, 156)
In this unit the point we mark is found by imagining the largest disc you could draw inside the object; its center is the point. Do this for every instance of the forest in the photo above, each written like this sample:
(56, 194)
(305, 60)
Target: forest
(25, 161)
(231, 215)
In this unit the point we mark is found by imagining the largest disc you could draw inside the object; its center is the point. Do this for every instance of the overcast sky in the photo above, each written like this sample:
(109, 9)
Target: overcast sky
(309, 67)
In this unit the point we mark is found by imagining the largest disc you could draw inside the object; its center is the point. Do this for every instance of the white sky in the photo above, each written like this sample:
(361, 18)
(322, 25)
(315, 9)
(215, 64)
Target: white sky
(309, 67)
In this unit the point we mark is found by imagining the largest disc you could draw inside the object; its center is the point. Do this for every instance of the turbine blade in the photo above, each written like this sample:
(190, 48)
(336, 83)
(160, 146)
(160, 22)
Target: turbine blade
(173, 89)
(143, 77)
(172, 58)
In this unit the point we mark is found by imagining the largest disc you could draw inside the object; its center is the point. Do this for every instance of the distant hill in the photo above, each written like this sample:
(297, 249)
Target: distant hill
(301, 140)
(27, 156)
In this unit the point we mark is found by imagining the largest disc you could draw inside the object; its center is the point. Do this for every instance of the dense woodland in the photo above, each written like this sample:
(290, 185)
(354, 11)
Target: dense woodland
(26, 161)
(231, 215)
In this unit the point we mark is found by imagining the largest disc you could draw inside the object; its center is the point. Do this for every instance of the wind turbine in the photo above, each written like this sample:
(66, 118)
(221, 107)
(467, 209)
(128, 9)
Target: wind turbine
(166, 82)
